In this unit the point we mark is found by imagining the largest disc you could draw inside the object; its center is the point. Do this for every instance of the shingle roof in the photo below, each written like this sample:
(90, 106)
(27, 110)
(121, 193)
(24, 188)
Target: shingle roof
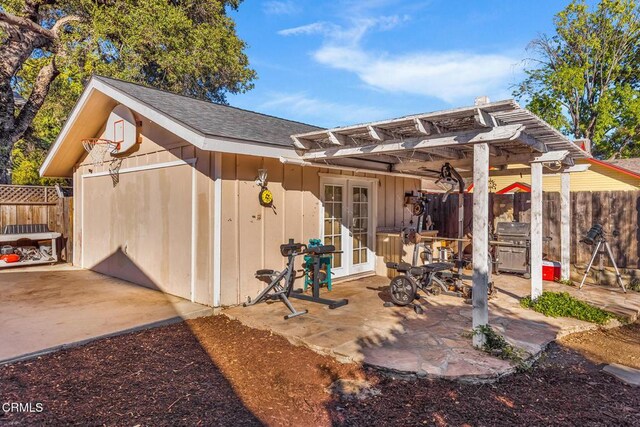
(632, 164)
(214, 119)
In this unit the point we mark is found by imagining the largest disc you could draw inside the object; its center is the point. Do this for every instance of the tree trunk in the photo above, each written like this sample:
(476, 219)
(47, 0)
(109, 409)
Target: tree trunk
(5, 158)
(22, 37)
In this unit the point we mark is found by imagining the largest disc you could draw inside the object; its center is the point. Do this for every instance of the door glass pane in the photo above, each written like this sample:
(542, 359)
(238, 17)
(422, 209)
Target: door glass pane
(364, 194)
(333, 220)
(360, 224)
(328, 192)
(337, 210)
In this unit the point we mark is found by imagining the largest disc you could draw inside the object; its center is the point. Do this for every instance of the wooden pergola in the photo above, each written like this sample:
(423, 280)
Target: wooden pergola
(473, 140)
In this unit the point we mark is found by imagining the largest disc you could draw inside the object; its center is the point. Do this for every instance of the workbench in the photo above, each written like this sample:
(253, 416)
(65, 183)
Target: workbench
(36, 237)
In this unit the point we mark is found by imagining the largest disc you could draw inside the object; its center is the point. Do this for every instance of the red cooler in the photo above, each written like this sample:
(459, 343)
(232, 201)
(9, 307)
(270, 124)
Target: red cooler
(551, 271)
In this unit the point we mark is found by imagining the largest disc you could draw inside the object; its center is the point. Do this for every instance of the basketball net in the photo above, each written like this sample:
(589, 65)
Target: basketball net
(99, 149)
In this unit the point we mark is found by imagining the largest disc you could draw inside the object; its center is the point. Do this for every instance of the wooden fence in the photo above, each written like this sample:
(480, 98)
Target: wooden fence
(615, 210)
(27, 204)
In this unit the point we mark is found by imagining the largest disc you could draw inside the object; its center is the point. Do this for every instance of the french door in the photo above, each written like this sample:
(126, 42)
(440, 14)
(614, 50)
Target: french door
(348, 223)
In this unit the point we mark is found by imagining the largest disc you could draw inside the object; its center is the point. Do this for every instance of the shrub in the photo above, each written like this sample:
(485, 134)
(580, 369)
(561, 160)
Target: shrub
(496, 345)
(561, 304)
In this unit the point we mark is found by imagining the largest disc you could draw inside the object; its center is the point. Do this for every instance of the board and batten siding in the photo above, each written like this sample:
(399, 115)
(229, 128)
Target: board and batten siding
(251, 234)
(137, 214)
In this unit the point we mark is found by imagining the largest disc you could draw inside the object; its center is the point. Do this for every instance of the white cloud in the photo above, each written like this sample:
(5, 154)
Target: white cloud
(274, 7)
(315, 28)
(301, 106)
(451, 76)
(352, 34)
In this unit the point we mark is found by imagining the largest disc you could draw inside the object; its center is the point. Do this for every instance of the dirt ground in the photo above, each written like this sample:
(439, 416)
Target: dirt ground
(619, 345)
(214, 371)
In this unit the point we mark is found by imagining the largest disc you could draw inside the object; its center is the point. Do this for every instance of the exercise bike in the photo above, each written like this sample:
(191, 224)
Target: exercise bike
(281, 282)
(433, 278)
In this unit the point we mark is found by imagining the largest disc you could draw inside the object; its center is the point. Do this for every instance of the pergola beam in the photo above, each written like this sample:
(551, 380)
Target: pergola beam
(561, 156)
(365, 165)
(485, 119)
(338, 139)
(379, 134)
(301, 143)
(505, 159)
(425, 127)
(444, 152)
(532, 142)
(497, 134)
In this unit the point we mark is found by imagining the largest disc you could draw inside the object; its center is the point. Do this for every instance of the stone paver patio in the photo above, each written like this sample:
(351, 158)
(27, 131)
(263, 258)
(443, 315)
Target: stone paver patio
(435, 343)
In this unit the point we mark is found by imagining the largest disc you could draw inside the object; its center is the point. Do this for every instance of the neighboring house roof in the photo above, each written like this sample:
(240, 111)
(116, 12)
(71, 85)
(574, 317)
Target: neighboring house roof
(629, 165)
(516, 187)
(208, 126)
(214, 119)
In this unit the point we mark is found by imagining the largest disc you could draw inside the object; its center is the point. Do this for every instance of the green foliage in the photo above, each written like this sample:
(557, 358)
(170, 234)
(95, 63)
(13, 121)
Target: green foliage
(561, 304)
(585, 78)
(186, 47)
(634, 285)
(496, 345)
(27, 158)
(566, 282)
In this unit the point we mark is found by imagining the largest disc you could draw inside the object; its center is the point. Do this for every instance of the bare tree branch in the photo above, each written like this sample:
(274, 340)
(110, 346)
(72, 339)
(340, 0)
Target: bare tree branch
(27, 24)
(38, 94)
(62, 22)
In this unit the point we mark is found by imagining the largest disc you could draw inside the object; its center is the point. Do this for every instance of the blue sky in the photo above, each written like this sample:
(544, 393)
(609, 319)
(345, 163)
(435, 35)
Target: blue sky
(333, 63)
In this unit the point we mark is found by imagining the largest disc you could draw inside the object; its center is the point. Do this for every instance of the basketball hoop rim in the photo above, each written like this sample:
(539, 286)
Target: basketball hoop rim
(90, 142)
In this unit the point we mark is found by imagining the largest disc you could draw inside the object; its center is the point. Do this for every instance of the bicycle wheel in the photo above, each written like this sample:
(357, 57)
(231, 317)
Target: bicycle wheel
(402, 289)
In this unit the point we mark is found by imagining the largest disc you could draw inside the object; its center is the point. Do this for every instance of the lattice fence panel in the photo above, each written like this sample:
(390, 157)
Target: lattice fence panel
(27, 194)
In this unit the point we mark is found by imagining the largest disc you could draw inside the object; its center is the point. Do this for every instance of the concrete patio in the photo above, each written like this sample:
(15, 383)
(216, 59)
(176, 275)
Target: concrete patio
(435, 343)
(45, 308)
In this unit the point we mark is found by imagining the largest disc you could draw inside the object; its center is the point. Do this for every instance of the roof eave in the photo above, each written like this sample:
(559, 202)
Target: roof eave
(183, 131)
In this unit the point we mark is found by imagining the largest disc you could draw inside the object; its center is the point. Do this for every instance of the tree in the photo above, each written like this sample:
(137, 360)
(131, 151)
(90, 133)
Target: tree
(51, 47)
(586, 78)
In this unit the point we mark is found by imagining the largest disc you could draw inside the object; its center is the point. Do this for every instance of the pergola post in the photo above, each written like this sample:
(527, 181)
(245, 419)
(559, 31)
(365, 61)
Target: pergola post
(536, 230)
(480, 312)
(565, 224)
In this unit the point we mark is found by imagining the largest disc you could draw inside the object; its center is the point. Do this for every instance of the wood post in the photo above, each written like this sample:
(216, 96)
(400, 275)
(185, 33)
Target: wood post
(565, 224)
(480, 312)
(536, 230)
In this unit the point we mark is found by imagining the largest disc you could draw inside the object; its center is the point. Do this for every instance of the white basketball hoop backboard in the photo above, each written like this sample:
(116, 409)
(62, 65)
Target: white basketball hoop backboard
(118, 131)
(121, 128)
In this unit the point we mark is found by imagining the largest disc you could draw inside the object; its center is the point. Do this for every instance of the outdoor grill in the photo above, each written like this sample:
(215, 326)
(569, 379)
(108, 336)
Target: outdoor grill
(512, 249)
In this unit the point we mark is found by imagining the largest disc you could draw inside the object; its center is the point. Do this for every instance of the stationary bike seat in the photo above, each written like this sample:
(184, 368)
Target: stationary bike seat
(265, 272)
(431, 268)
